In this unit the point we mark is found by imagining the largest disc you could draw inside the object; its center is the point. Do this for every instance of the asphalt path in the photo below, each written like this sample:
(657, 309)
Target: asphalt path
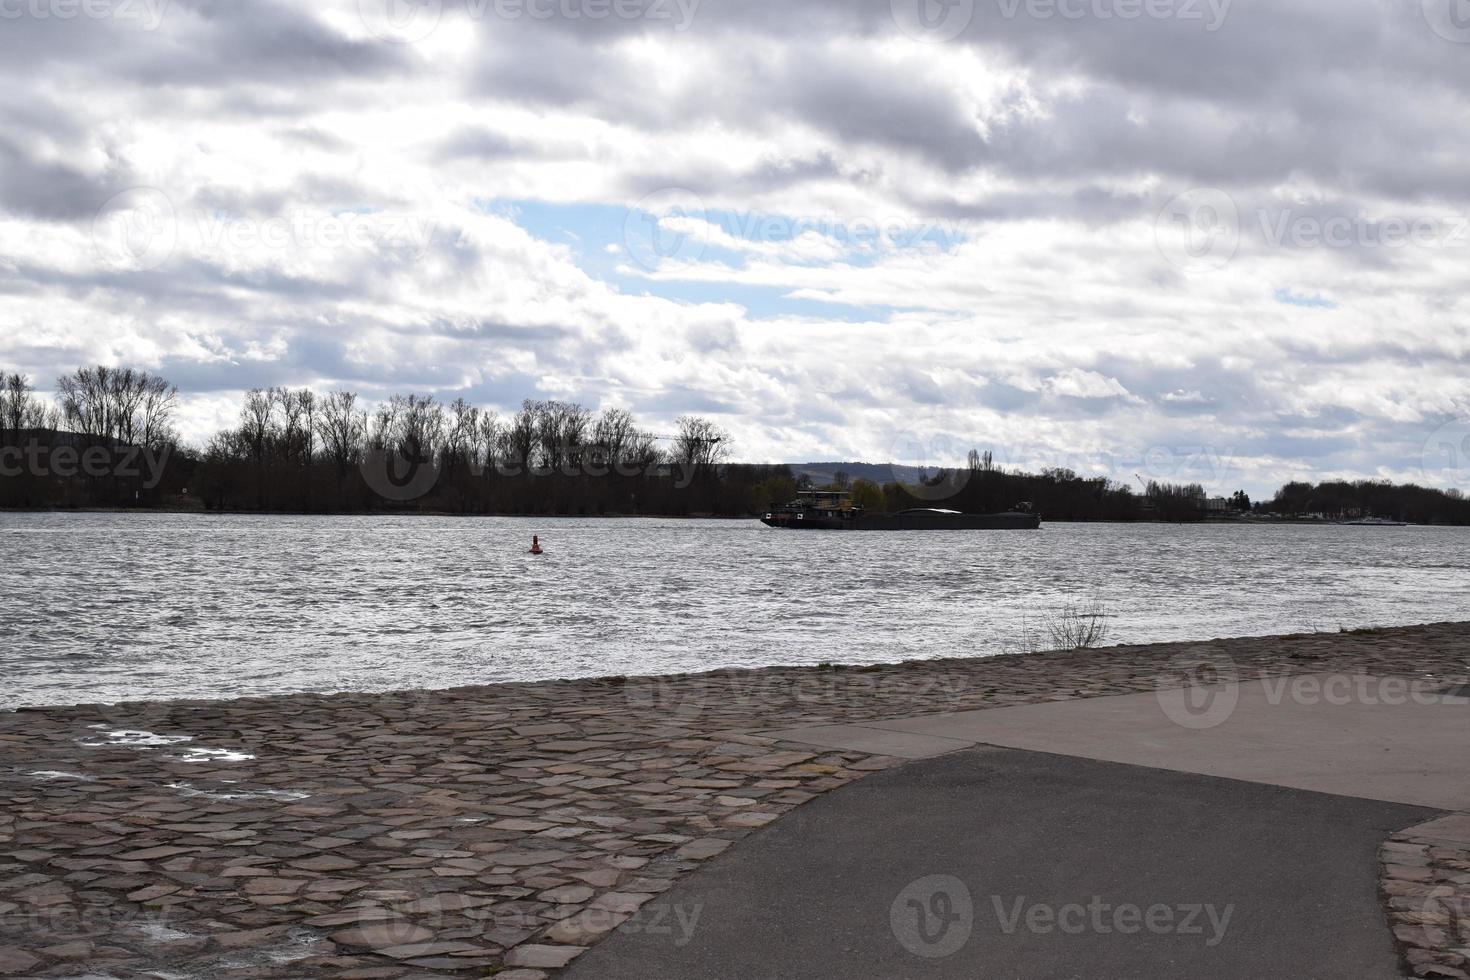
(1010, 863)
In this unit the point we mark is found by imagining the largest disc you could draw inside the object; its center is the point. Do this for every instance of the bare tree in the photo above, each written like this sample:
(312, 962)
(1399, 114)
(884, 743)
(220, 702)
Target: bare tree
(615, 436)
(20, 410)
(417, 427)
(296, 439)
(644, 453)
(86, 402)
(462, 440)
(125, 392)
(107, 405)
(518, 440)
(491, 437)
(258, 425)
(561, 432)
(342, 429)
(228, 446)
(305, 412)
(385, 426)
(576, 432)
(156, 409)
(700, 443)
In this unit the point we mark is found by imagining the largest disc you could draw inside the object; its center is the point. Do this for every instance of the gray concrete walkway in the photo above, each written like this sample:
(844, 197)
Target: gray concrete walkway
(1396, 739)
(1003, 863)
(1085, 838)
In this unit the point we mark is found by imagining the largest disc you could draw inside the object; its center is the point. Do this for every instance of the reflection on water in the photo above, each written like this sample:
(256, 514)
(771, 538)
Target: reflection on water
(107, 607)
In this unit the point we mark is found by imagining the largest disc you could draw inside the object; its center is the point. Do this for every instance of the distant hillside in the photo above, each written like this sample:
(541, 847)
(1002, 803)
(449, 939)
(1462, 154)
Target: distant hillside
(880, 473)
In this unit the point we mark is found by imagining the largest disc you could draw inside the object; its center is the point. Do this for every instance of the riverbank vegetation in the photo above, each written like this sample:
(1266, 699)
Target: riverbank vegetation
(109, 440)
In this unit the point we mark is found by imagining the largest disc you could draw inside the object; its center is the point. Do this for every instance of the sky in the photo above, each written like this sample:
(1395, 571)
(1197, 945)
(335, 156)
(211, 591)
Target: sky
(1192, 240)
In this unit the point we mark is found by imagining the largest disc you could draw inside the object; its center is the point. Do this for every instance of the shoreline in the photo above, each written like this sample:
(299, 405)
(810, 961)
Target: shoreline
(506, 826)
(713, 674)
(1247, 521)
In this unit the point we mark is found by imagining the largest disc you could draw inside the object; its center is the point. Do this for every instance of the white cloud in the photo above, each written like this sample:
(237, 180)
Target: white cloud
(1077, 383)
(343, 217)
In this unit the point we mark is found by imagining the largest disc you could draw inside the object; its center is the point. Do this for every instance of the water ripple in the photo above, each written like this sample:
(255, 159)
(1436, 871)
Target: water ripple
(108, 607)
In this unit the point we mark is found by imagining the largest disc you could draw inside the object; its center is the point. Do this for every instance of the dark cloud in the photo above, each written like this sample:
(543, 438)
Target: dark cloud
(51, 190)
(480, 143)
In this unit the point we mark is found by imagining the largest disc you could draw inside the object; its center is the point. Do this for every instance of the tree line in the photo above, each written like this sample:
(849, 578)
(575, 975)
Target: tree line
(109, 439)
(104, 442)
(296, 450)
(1343, 500)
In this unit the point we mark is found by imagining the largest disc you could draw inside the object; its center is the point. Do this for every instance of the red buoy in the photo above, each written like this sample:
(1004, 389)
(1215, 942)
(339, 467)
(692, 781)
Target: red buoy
(535, 544)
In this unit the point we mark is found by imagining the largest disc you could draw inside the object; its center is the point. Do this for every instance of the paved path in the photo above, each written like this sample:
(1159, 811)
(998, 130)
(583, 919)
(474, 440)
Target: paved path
(838, 888)
(1400, 739)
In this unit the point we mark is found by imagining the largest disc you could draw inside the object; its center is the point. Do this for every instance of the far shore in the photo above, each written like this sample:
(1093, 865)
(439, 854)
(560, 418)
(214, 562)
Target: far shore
(1251, 521)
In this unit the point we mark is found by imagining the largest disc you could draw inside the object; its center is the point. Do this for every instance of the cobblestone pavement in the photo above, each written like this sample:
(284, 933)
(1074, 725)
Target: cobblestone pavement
(502, 828)
(1426, 884)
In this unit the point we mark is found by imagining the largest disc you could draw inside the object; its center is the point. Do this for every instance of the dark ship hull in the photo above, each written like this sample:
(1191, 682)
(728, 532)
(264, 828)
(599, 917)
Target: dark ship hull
(911, 520)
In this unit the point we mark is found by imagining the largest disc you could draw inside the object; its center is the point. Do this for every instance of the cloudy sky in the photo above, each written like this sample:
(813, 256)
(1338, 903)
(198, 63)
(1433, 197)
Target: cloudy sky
(1192, 239)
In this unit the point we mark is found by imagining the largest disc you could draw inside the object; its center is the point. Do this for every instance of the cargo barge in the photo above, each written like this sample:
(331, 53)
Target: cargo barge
(833, 510)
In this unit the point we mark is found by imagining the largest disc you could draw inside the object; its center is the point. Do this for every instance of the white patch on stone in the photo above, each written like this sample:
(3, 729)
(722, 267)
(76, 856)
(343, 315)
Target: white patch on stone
(127, 736)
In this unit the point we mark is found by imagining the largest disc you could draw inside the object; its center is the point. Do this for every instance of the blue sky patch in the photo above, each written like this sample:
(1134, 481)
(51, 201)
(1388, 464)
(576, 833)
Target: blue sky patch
(615, 246)
(1314, 301)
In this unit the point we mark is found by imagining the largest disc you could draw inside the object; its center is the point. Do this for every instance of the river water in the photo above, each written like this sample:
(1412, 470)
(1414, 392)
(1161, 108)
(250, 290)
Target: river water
(108, 607)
